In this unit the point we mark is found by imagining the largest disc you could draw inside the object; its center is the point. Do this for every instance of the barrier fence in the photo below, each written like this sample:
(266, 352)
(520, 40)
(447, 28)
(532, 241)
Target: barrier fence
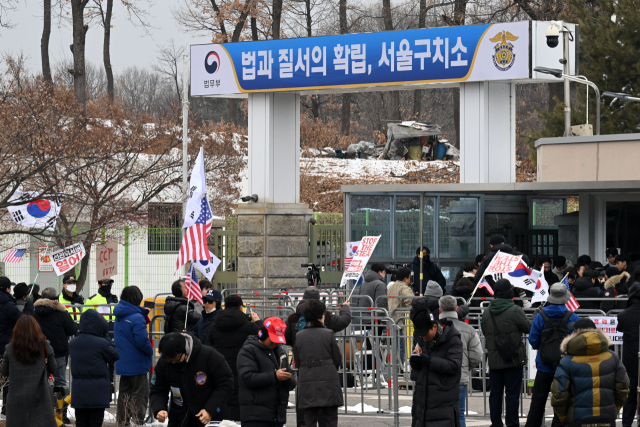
(375, 347)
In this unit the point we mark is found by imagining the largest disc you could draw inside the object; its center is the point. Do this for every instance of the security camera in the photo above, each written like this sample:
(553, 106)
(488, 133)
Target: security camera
(252, 198)
(553, 35)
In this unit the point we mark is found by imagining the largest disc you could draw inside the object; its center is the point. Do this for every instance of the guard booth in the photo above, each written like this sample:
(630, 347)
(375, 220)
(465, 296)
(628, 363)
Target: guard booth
(484, 61)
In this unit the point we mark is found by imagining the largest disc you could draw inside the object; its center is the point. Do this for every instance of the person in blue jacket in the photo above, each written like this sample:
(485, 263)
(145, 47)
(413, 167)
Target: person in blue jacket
(132, 342)
(212, 303)
(554, 311)
(91, 353)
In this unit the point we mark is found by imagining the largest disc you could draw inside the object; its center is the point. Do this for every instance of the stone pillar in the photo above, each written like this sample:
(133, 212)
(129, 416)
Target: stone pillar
(273, 241)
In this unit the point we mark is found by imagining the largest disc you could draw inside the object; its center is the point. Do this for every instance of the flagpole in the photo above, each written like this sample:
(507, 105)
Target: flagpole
(38, 272)
(354, 287)
(188, 297)
(185, 130)
(475, 289)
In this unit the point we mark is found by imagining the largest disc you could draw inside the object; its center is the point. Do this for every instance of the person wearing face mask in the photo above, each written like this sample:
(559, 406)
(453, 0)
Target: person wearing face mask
(68, 297)
(104, 296)
(212, 301)
(430, 271)
(196, 377)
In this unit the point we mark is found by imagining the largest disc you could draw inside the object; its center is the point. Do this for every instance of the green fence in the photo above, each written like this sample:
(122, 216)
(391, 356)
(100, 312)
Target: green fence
(326, 247)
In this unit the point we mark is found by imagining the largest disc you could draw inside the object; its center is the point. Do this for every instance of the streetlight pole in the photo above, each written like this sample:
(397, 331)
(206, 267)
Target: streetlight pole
(622, 96)
(567, 88)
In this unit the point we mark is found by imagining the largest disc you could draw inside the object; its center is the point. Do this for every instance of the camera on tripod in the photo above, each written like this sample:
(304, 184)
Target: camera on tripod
(313, 274)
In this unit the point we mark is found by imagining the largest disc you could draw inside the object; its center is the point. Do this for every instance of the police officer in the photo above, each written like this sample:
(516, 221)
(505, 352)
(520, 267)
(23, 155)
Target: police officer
(104, 296)
(68, 297)
(197, 378)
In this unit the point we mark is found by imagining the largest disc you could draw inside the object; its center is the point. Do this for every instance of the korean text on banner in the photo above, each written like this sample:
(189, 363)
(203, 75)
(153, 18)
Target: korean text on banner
(503, 263)
(65, 259)
(359, 262)
(107, 260)
(609, 326)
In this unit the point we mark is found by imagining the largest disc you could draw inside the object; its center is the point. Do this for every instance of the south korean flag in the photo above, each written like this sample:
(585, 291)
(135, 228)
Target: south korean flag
(208, 267)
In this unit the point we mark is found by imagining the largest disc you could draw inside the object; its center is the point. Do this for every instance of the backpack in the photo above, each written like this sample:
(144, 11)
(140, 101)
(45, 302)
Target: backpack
(503, 343)
(551, 338)
(302, 323)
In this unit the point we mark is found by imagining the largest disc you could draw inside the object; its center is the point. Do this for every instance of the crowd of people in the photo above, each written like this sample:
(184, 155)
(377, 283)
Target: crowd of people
(220, 362)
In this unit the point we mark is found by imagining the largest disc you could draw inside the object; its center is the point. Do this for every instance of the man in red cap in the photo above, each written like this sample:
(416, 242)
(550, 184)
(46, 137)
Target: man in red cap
(264, 377)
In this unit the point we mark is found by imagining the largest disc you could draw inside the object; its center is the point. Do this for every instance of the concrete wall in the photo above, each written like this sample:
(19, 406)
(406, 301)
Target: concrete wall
(589, 158)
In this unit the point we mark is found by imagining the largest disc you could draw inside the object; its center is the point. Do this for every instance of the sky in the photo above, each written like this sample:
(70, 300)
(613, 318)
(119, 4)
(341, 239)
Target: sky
(129, 44)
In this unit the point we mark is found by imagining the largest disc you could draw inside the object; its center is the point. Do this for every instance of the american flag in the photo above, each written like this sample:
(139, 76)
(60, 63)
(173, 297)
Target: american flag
(572, 304)
(484, 284)
(194, 243)
(192, 286)
(14, 256)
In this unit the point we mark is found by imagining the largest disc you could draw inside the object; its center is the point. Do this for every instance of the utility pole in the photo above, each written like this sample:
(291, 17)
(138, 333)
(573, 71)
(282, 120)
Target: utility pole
(567, 88)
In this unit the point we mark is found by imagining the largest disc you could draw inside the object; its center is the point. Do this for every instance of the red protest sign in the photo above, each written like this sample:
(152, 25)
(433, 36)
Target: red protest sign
(65, 259)
(503, 263)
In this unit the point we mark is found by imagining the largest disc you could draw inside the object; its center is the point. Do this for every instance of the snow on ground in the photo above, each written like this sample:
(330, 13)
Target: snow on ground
(365, 168)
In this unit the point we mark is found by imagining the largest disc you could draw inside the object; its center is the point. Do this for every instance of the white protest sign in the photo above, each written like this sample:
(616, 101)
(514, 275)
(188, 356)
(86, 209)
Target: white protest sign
(609, 327)
(44, 259)
(67, 258)
(503, 263)
(107, 260)
(360, 259)
(352, 248)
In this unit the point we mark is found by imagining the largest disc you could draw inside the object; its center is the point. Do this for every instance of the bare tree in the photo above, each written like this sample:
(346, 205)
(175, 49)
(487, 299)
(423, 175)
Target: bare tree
(5, 7)
(169, 61)
(79, 39)
(44, 42)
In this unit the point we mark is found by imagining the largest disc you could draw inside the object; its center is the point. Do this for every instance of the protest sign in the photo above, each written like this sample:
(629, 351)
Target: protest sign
(352, 248)
(44, 259)
(67, 258)
(609, 327)
(107, 260)
(360, 259)
(503, 263)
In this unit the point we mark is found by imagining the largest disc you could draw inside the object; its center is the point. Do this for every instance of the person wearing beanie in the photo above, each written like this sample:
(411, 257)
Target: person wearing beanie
(616, 285)
(436, 364)
(542, 338)
(629, 325)
(506, 318)
(296, 322)
(432, 294)
(590, 380)
(561, 266)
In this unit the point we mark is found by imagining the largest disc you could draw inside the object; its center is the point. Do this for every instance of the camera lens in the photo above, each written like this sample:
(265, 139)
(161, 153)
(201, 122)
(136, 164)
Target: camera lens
(552, 41)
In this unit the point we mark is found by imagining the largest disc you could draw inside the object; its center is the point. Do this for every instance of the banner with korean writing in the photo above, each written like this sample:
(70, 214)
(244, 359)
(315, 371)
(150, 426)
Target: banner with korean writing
(107, 260)
(503, 263)
(446, 54)
(360, 259)
(609, 326)
(67, 258)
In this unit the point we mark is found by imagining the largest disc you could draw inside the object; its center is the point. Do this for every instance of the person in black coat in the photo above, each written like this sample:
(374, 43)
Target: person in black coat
(585, 287)
(212, 301)
(436, 369)
(264, 377)
(91, 352)
(177, 307)
(629, 325)
(497, 244)
(198, 379)
(430, 271)
(227, 335)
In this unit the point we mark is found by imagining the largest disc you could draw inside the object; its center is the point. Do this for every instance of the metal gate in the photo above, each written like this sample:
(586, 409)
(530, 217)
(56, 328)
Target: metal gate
(537, 244)
(225, 247)
(326, 247)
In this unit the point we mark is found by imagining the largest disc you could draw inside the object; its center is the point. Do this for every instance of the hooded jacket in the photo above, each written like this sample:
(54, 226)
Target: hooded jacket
(56, 324)
(585, 288)
(203, 381)
(629, 325)
(590, 381)
(334, 322)
(374, 287)
(504, 248)
(430, 271)
(175, 310)
(319, 357)
(132, 340)
(616, 287)
(262, 397)
(512, 322)
(471, 346)
(9, 315)
(90, 380)
(555, 313)
(227, 335)
(437, 387)
(397, 290)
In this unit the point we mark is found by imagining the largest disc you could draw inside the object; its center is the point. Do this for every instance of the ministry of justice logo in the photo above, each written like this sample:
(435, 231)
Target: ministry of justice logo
(504, 56)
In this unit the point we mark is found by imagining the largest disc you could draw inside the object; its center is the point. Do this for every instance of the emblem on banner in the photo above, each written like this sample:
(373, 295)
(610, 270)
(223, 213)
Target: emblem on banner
(504, 56)
(212, 62)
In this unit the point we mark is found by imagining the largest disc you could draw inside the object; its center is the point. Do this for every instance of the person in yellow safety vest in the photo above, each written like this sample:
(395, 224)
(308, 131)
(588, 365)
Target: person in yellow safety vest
(68, 297)
(104, 296)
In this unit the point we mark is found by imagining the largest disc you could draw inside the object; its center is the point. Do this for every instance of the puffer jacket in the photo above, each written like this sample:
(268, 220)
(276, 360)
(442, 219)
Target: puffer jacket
(585, 288)
(437, 387)
(132, 340)
(504, 248)
(590, 381)
(397, 290)
(56, 324)
(629, 325)
(555, 313)
(175, 310)
(430, 271)
(91, 381)
(9, 315)
(511, 321)
(616, 287)
(319, 356)
(334, 322)
(471, 346)
(373, 287)
(262, 397)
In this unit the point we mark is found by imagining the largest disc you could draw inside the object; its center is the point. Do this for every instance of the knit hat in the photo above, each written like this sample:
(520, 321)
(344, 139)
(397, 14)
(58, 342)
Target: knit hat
(233, 300)
(582, 323)
(503, 289)
(433, 289)
(20, 290)
(423, 322)
(558, 294)
(612, 271)
(311, 293)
